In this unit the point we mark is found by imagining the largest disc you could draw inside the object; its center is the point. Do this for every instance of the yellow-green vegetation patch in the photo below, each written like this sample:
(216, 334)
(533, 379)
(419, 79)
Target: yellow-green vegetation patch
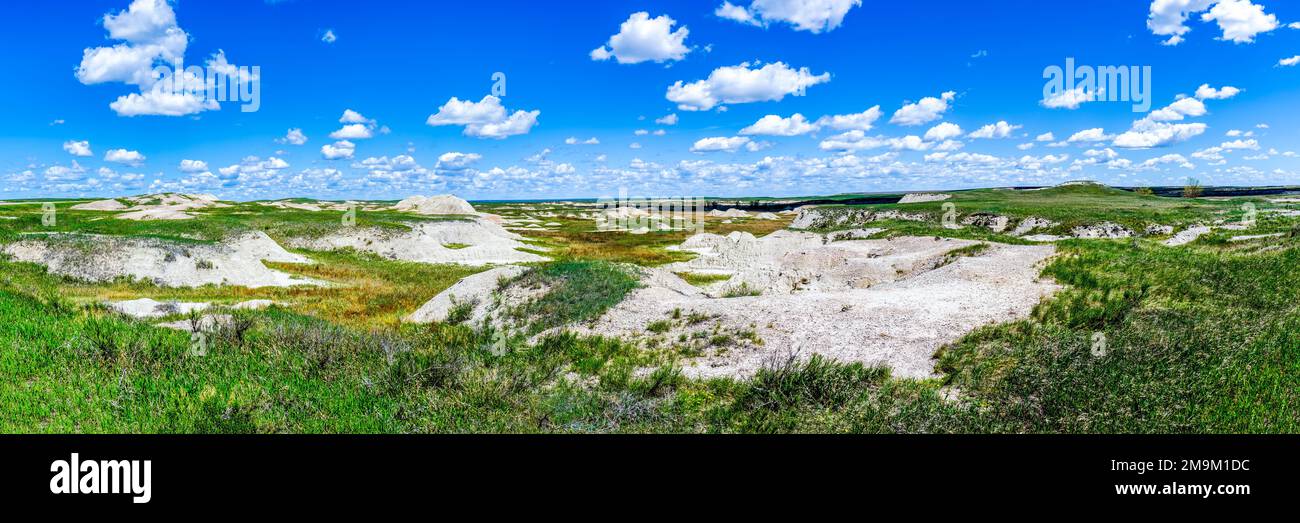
(363, 289)
(702, 280)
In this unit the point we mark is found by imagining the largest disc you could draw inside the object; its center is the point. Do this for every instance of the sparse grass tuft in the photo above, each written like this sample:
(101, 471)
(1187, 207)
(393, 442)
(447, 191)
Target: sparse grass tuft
(659, 326)
(703, 280)
(742, 290)
(461, 311)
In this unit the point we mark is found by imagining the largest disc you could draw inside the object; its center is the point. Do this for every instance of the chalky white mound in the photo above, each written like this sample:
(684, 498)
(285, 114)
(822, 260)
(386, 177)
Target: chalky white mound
(101, 205)
(472, 241)
(167, 206)
(441, 204)
(236, 261)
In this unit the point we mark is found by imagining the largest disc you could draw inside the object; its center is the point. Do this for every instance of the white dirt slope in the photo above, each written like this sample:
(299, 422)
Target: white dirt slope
(236, 261)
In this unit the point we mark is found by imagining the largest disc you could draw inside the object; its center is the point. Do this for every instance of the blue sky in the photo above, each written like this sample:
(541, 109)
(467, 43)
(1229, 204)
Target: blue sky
(936, 73)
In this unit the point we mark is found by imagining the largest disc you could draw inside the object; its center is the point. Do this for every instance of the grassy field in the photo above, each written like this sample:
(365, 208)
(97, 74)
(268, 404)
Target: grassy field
(1067, 206)
(1197, 339)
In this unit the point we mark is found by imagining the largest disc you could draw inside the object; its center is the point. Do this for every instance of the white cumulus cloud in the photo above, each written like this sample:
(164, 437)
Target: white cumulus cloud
(1179, 110)
(149, 35)
(340, 150)
(743, 84)
(773, 125)
(855, 140)
(862, 121)
(1205, 92)
(925, 111)
(456, 161)
(78, 148)
(815, 16)
(355, 127)
(1002, 129)
(645, 39)
(354, 131)
(1069, 99)
(486, 118)
(1147, 134)
(943, 132)
(293, 137)
(1089, 135)
(193, 166)
(124, 156)
(1239, 20)
(720, 144)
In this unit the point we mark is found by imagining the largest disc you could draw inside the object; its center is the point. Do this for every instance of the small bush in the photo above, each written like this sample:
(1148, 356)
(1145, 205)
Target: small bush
(742, 290)
(105, 338)
(696, 318)
(424, 367)
(218, 415)
(659, 382)
(660, 326)
(235, 330)
(460, 311)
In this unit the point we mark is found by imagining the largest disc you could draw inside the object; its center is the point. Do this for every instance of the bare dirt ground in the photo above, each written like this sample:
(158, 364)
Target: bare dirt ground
(899, 322)
(887, 302)
(237, 261)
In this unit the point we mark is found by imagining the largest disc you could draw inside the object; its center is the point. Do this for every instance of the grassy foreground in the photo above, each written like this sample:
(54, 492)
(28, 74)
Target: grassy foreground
(1196, 339)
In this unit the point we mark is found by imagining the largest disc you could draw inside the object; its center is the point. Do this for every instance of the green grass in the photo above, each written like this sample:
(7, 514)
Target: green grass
(1200, 339)
(968, 251)
(575, 292)
(741, 291)
(659, 326)
(81, 371)
(1196, 342)
(209, 225)
(577, 239)
(703, 280)
(1069, 206)
(364, 290)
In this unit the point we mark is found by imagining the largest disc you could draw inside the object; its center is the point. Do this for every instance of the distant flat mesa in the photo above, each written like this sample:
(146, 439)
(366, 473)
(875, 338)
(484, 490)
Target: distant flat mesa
(924, 197)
